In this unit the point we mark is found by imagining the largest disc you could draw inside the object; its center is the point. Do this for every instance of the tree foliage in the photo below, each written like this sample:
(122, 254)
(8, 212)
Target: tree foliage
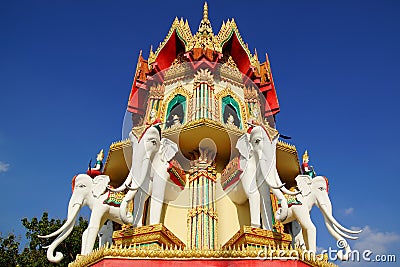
(34, 254)
(8, 250)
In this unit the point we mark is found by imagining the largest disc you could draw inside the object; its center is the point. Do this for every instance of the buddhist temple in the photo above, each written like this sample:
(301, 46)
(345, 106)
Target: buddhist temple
(206, 103)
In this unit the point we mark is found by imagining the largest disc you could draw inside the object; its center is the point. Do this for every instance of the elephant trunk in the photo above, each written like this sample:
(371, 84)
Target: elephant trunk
(126, 216)
(272, 177)
(63, 232)
(341, 242)
(50, 249)
(124, 185)
(270, 173)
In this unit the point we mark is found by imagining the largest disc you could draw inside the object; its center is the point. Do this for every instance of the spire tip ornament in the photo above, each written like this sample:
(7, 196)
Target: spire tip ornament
(205, 11)
(205, 24)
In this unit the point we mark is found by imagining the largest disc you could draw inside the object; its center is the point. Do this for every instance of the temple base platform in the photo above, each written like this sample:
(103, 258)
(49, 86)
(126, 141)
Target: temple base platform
(253, 238)
(152, 236)
(155, 245)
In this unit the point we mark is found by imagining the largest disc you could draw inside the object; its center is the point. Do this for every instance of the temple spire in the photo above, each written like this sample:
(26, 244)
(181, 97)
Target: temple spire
(205, 24)
(205, 11)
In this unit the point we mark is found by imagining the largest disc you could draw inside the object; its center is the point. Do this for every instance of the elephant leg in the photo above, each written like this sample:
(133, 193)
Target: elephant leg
(138, 207)
(248, 181)
(308, 228)
(84, 238)
(255, 209)
(96, 221)
(157, 197)
(265, 201)
(139, 201)
(266, 210)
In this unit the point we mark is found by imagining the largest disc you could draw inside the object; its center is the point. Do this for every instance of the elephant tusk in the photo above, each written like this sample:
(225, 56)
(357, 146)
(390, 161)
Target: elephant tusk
(116, 190)
(344, 234)
(337, 224)
(132, 188)
(50, 251)
(69, 221)
(277, 186)
(288, 192)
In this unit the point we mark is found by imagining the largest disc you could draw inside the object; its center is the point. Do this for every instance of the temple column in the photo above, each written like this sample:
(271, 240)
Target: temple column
(202, 218)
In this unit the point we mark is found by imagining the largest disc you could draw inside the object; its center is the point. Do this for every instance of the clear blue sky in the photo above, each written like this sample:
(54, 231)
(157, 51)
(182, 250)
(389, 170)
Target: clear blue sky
(66, 69)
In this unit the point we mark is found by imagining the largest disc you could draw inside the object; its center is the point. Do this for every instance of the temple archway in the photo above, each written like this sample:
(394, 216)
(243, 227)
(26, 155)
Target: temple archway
(176, 111)
(231, 108)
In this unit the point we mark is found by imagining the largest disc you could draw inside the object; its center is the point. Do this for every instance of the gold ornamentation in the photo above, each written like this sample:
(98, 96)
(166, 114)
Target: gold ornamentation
(138, 130)
(157, 91)
(135, 252)
(305, 156)
(155, 235)
(178, 71)
(286, 147)
(207, 211)
(231, 173)
(231, 74)
(250, 237)
(203, 75)
(180, 90)
(183, 31)
(225, 33)
(152, 56)
(210, 173)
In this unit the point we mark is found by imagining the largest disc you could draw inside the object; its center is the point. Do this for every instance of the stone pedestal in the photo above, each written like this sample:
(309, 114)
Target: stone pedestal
(154, 236)
(250, 238)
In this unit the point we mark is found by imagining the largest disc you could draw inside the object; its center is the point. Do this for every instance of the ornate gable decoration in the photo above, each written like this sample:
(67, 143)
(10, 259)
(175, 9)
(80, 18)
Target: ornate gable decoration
(203, 75)
(204, 37)
(226, 32)
(184, 33)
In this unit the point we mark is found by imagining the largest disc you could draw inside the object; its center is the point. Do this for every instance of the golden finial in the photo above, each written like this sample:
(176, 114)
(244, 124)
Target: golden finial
(305, 156)
(205, 11)
(100, 156)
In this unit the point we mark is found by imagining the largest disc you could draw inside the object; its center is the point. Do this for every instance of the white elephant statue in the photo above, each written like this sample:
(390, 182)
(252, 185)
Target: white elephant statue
(86, 192)
(148, 176)
(314, 191)
(258, 162)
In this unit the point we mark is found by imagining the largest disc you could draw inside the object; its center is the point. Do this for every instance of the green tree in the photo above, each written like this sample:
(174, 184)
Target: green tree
(9, 250)
(35, 253)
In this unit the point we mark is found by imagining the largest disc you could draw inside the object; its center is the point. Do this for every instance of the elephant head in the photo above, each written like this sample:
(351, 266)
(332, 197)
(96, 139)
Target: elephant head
(149, 162)
(316, 191)
(258, 146)
(85, 192)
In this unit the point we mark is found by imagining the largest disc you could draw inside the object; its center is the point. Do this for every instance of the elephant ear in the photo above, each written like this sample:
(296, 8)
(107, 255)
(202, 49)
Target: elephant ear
(304, 183)
(168, 149)
(134, 141)
(100, 183)
(268, 147)
(244, 147)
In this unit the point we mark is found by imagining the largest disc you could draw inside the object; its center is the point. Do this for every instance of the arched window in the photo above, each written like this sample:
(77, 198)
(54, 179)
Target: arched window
(231, 111)
(176, 111)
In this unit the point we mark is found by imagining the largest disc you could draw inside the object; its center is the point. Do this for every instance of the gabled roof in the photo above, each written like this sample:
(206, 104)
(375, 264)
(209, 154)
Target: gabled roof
(228, 39)
(180, 45)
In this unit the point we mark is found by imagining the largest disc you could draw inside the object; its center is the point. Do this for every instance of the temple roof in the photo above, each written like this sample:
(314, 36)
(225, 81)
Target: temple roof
(181, 45)
(228, 39)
